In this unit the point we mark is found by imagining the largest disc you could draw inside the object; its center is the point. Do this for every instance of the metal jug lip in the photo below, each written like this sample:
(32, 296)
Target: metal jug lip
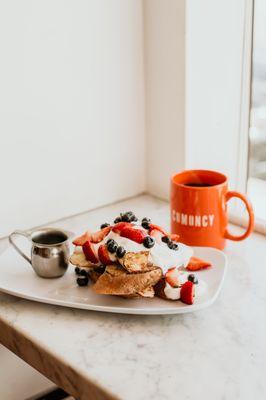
(49, 237)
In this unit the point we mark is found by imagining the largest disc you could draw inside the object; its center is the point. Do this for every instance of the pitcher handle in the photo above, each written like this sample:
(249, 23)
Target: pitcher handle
(12, 241)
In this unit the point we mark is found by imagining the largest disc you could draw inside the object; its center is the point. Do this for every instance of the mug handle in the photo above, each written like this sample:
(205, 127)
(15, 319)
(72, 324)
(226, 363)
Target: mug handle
(249, 208)
(11, 241)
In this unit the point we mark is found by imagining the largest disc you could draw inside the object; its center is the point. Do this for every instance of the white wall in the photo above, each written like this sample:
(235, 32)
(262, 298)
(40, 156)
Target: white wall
(215, 44)
(164, 27)
(71, 120)
(71, 107)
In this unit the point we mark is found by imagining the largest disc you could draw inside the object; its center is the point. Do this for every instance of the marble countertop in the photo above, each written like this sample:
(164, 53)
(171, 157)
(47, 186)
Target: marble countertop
(217, 353)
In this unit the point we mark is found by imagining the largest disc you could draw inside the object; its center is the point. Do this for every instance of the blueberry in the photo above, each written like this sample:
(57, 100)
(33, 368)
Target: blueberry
(145, 219)
(112, 246)
(104, 225)
(77, 270)
(110, 241)
(118, 219)
(148, 242)
(172, 245)
(82, 280)
(165, 239)
(131, 216)
(83, 272)
(120, 252)
(193, 279)
(145, 225)
(125, 218)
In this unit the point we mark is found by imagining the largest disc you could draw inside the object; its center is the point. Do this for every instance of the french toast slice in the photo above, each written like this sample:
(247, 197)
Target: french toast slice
(137, 262)
(117, 281)
(80, 260)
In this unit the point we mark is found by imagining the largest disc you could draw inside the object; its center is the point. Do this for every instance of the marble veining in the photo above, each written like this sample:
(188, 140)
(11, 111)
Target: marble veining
(217, 353)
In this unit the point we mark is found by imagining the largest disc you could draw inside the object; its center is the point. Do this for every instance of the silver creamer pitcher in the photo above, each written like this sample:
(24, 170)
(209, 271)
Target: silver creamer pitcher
(49, 250)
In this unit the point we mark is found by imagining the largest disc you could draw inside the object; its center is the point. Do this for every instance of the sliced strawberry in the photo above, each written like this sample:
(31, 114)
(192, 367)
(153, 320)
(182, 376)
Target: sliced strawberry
(89, 252)
(156, 234)
(171, 277)
(103, 255)
(157, 228)
(187, 293)
(79, 241)
(97, 237)
(196, 264)
(137, 235)
(174, 237)
(117, 228)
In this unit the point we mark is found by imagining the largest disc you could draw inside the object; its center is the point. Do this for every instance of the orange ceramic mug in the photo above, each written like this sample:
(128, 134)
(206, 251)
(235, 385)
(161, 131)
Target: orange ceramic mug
(199, 208)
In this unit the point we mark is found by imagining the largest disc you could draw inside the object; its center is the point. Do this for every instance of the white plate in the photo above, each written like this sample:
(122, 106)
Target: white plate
(17, 278)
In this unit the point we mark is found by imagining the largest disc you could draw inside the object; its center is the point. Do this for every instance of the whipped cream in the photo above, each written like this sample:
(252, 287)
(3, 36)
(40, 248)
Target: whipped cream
(174, 293)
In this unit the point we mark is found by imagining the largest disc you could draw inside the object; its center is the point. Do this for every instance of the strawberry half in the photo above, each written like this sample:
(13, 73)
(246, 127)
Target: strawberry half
(117, 228)
(174, 237)
(89, 252)
(79, 241)
(137, 235)
(171, 277)
(187, 293)
(157, 228)
(103, 255)
(196, 264)
(97, 237)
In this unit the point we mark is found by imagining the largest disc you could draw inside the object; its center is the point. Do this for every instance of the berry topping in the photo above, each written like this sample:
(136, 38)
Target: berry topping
(117, 228)
(89, 252)
(172, 245)
(125, 218)
(171, 277)
(104, 255)
(165, 239)
(92, 237)
(193, 279)
(79, 241)
(148, 242)
(128, 216)
(196, 264)
(105, 225)
(77, 270)
(112, 246)
(137, 235)
(157, 228)
(120, 252)
(174, 237)
(145, 223)
(187, 293)
(83, 272)
(83, 280)
(97, 237)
